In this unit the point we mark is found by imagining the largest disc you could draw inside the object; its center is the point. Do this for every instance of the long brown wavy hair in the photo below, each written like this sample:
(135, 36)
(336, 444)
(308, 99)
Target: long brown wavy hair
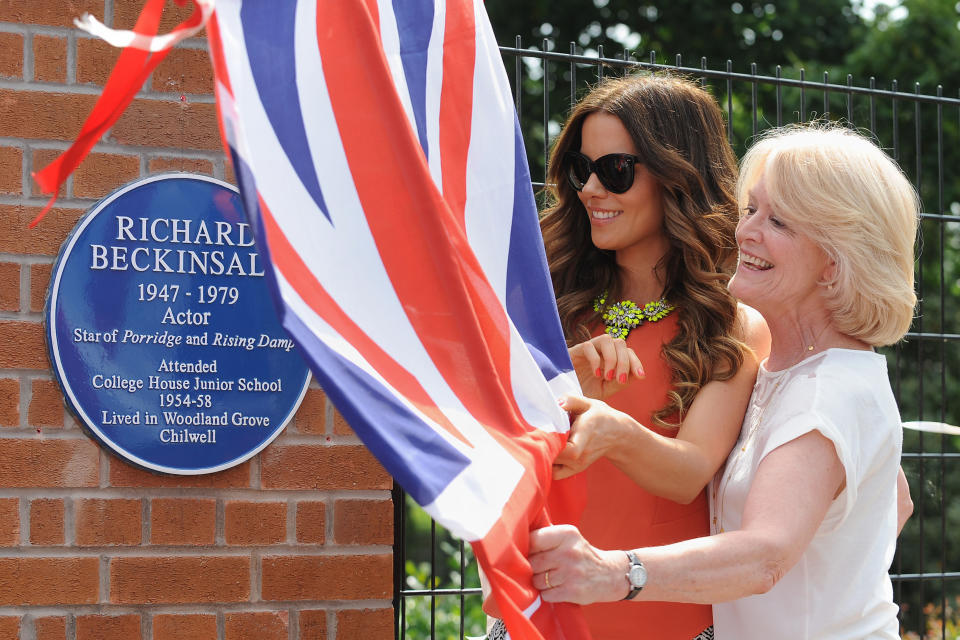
(679, 133)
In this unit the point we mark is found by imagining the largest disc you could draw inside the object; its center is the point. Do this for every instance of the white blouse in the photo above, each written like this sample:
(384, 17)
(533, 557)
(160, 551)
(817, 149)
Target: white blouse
(840, 588)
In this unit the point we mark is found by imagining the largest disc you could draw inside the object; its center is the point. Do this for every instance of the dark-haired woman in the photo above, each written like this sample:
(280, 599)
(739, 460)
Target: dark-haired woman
(640, 241)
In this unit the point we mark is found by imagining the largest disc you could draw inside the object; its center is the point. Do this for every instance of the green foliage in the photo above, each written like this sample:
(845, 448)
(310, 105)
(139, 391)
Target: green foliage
(941, 623)
(454, 568)
(785, 31)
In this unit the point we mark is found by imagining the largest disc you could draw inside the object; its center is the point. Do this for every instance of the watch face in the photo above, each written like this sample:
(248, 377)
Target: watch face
(638, 576)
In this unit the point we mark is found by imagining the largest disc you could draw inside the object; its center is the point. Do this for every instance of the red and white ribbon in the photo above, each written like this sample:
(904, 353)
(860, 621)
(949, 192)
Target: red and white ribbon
(143, 50)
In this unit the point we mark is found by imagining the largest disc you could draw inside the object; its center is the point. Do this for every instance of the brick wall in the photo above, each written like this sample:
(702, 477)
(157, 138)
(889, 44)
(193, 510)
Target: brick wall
(291, 545)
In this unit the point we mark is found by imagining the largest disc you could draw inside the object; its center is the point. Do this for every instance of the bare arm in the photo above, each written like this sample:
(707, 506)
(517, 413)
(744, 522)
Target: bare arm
(904, 501)
(674, 468)
(790, 496)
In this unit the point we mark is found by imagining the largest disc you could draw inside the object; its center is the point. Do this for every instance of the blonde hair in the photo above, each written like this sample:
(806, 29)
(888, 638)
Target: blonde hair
(849, 197)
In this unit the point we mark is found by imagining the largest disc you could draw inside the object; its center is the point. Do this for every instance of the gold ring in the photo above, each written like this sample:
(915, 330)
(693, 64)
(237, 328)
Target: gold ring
(546, 578)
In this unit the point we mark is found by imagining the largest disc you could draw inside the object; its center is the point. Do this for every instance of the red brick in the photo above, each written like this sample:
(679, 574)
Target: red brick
(228, 173)
(22, 346)
(39, 281)
(259, 625)
(179, 579)
(49, 463)
(108, 522)
(11, 168)
(54, 13)
(41, 114)
(184, 71)
(321, 467)
(51, 628)
(183, 521)
(125, 13)
(311, 522)
(9, 402)
(189, 165)
(254, 523)
(363, 522)
(9, 627)
(369, 624)
(95, 60)
(183, 627)
(46, 521)
(340, 425)
(49, 59)
(9, 286)
(43, 239)
(357, 577)
(126, 627)
(101, 173)
(125, 475)
(46, 404)
(156, 123)
(9, 522)
(38, 161)
(49, 581)
(313, 624)
(11, 55)
(312, 415)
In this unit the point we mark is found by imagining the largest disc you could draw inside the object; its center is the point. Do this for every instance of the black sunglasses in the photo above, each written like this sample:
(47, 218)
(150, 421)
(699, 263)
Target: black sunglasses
(614, 170)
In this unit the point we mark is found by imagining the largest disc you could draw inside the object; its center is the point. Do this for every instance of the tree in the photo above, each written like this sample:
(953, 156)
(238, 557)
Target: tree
(777, 31)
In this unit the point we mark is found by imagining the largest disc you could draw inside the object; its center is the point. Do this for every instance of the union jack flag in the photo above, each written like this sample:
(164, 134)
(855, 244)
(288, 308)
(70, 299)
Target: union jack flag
(381, 165)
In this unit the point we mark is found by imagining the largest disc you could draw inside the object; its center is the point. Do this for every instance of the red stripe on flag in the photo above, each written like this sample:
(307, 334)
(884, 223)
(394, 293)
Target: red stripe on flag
(456, 103)
(423, 247)
(503, 553)
(293, 269)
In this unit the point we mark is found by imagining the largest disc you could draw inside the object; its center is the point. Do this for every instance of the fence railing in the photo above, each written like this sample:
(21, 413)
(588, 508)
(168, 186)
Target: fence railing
(437, 591)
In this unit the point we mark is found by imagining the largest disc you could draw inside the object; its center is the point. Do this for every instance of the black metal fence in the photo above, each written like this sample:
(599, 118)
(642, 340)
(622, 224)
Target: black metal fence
(437, 591)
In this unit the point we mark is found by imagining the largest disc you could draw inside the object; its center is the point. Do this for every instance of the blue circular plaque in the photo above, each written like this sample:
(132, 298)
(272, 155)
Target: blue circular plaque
(162, 332)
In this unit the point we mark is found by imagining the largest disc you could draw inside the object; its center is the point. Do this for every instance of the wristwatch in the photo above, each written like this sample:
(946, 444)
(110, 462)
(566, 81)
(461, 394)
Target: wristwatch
(636, 575)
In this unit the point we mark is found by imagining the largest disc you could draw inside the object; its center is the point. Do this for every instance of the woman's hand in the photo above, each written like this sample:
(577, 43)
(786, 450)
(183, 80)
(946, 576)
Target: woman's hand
(595, 429)
(567, 568)
(604, 365)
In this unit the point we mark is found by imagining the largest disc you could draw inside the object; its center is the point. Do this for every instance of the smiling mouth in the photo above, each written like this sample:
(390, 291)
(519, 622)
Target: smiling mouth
(755, 263)
(596, 214)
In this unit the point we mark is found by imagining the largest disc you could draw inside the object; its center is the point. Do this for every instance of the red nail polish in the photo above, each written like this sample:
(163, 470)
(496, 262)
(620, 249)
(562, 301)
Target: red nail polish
(610, 374)
(640, 373)
(623, 378)
(598, 373)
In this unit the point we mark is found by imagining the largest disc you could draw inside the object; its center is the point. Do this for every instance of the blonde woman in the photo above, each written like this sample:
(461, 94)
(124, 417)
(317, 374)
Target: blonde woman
(805, 512)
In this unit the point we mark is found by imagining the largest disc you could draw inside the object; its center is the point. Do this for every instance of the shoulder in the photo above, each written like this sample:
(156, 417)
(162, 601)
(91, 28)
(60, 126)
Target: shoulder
(845, 387)
(752, 330)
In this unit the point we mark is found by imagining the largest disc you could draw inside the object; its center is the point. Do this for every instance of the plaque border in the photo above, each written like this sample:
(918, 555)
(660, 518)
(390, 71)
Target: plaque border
(49, 324)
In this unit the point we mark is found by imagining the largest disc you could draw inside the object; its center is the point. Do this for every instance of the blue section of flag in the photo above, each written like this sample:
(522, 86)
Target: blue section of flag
(530, 301)
(416, 456)
(414, 24)
(268, 29)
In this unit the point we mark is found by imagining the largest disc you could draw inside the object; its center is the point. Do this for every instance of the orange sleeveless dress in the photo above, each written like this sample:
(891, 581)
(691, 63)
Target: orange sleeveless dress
(621, 515)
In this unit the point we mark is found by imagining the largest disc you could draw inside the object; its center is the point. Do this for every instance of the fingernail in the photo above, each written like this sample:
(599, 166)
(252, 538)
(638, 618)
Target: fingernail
(610, 374)
(640, 373)
(623, 378)
(598, 373)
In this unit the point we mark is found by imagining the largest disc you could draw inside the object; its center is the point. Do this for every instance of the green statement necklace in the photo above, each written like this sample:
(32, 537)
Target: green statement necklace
(626, 315)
